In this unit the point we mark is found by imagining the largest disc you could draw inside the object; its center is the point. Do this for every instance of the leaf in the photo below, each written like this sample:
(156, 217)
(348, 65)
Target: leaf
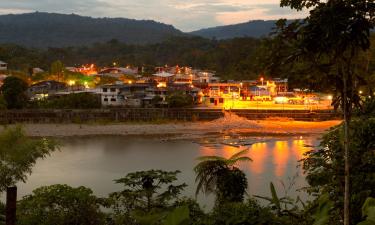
(368, 211)
(178, 216)
(275, 199)
(321, 216)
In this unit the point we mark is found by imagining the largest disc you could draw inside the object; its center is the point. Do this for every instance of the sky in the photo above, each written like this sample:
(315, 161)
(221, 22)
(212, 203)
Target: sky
(186, 15)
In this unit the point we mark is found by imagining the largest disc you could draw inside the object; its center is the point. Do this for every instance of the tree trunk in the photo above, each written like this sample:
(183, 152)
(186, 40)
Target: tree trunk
(10, 210)
(346, 154)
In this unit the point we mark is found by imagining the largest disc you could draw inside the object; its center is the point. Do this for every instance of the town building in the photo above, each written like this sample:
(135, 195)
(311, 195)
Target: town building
(3, 66)
(45, 89)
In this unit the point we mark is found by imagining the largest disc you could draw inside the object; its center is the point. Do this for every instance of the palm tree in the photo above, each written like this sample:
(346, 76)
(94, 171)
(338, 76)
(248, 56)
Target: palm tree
(219, 175)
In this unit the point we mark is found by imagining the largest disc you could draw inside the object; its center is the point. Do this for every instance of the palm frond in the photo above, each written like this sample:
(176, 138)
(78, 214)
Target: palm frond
(239, 154)
(210, 158)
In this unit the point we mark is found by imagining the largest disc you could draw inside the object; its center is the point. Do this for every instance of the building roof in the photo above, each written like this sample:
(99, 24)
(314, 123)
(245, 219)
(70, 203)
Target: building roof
(163, 74)
(2, 62)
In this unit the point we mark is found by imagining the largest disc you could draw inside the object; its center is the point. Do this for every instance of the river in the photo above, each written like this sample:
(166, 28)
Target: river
(95, 162)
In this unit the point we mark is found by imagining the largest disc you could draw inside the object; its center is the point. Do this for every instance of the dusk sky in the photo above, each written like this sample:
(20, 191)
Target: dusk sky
(187, 15)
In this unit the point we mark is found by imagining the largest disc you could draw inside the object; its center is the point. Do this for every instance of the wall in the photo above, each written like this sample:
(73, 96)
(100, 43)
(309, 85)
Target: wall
(149, 114)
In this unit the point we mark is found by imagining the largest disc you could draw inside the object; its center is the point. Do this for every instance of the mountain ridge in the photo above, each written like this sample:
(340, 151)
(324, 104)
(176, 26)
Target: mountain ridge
(40, 29)
(43, 30)
(252, 28)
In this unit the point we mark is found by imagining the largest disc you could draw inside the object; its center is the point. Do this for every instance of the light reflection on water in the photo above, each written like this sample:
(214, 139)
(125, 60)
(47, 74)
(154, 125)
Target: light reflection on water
(96, 161)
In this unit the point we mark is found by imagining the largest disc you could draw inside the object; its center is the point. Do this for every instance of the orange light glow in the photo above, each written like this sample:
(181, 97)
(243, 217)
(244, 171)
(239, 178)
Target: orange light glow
(258, 153)
(281, 156)
(162, 85)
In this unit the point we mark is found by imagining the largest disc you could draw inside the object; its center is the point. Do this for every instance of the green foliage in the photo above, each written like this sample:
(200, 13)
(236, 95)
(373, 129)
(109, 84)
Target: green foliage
(3, 104)
(177, 100)
(18, 154)
(13, 91)
(60, 205)
(57, 69)
(368, 211)
(2, 213)
(322, 214)
(324, 167)
(147, 196)
(179, 216)
(216, 174)
(238, 213)
(72, 101)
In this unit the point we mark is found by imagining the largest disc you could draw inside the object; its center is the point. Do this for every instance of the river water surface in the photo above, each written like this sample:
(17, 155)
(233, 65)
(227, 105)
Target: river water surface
(95, 162)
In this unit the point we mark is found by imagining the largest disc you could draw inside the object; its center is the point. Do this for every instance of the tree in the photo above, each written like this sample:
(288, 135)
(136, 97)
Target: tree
(18, 154)
(324, 167)
(57, 69)
(14, 94)
(215, 174)
(3, 104)
(331, 37)
(179, 100)
(147, 196)
(60, 205)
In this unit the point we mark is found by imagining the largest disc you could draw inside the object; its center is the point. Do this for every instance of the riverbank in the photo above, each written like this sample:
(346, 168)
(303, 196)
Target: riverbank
(228, 125)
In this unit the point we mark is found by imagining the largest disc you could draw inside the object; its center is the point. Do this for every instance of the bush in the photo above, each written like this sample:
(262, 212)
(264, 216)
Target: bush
(178, 100)
(3, 104)
(248, 213)
(60, 205)
(13, 91)
(72, 101)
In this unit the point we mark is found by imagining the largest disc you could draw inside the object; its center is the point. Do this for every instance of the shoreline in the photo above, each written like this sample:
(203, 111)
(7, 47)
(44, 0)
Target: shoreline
(229, 126)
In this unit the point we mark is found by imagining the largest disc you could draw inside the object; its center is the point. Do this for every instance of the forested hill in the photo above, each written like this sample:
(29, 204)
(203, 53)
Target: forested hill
(256, 28)
(60, 30)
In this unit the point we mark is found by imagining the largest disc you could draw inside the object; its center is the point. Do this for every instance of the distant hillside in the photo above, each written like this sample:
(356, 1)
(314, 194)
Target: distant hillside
(256, 28)
(59, 30)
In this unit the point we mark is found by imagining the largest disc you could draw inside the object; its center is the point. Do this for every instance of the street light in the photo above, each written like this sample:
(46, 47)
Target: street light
(262, 79)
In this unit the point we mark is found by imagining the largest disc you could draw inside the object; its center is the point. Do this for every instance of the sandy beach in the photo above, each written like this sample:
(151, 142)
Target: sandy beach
(228, 125)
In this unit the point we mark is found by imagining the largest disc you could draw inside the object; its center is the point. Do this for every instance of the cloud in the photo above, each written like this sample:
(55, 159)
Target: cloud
(186, 15)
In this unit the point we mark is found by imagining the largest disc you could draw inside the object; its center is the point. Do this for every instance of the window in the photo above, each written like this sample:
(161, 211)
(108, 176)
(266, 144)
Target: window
(212, 100)
(105, 90)
(113, 89)
(106, 99)
(221, 100)
(113, 99)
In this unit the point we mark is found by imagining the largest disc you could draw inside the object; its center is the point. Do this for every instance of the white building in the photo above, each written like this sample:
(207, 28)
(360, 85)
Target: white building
(111, 95)
(3, 65)
(206, 77)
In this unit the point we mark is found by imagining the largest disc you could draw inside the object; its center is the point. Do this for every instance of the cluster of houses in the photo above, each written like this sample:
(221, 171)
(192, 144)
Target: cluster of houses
(205, 88)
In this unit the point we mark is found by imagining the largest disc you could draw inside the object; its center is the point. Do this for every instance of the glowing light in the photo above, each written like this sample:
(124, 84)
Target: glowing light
(329, 97)
(281, 99)
(360, 92)
(114, 63)
(86, 84)
(262, 79)
(162, 85)
(130, 82)
(71, 82)
(281, 156)
(259, 155)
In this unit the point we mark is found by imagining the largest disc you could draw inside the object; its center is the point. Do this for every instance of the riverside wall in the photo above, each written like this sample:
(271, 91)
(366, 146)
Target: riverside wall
(153, 114)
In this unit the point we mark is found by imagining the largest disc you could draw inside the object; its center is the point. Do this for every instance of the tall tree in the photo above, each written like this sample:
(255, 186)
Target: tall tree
(330, 39)
(14, 94)
(57, 69)
(18, 154)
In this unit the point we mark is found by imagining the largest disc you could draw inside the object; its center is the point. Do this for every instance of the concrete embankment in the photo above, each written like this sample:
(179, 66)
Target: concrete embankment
(148, 114)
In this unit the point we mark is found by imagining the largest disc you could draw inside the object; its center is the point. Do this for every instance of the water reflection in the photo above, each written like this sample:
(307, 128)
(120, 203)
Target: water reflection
(96, 162)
